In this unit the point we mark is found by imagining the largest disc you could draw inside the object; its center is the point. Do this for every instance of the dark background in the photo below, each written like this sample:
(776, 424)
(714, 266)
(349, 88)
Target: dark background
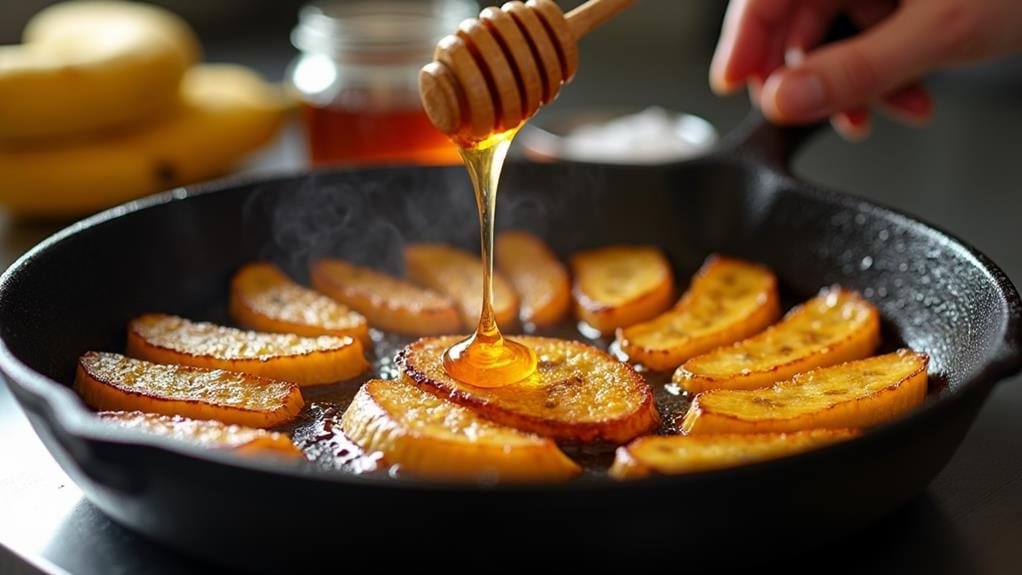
(961, 172)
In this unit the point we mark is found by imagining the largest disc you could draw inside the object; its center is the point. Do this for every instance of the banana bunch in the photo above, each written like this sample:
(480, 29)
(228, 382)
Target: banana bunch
(104, 102)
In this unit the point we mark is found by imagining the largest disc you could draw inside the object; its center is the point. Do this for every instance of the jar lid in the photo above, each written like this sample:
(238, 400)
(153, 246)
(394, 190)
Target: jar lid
(384, 30)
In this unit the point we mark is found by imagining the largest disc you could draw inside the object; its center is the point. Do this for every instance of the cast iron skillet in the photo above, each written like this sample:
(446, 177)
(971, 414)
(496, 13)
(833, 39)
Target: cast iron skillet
(175, 252)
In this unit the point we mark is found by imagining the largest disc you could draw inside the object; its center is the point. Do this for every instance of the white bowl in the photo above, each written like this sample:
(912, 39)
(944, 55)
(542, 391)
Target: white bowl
(649, 135)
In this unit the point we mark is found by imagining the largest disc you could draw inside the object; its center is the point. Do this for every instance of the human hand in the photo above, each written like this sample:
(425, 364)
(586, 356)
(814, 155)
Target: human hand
(773, 47)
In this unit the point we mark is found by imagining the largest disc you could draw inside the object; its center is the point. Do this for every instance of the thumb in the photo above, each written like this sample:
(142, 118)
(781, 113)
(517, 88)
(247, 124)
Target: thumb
(854, 72)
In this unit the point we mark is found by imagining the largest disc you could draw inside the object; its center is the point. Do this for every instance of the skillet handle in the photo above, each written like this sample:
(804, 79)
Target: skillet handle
(762, 143)
(758, 141)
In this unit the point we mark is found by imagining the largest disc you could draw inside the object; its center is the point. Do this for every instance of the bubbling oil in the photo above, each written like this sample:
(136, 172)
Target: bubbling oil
(487, 358)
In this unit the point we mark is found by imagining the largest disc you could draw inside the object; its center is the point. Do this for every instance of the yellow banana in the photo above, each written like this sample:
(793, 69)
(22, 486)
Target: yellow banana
(225, 112)
(90, 66)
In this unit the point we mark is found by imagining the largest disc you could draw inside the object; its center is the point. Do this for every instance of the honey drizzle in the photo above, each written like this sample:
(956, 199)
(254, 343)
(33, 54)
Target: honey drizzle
(487, 358)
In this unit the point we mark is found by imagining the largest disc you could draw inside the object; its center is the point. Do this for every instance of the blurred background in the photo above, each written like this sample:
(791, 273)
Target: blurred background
(260, 28)
(656, 53)
(649, 45)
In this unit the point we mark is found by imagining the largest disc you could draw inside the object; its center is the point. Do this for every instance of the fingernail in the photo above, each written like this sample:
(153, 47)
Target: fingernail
(719, 82)
(718, 85)
(755, 90)
(721, 85)
(793, 57)
(800, 96)
(853, 125)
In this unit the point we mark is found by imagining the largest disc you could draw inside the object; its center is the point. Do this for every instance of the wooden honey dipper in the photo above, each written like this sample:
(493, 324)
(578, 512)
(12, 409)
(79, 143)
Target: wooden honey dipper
(496, 71)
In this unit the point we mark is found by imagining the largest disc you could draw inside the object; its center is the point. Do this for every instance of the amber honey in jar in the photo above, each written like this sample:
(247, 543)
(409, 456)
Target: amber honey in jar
(356, 79)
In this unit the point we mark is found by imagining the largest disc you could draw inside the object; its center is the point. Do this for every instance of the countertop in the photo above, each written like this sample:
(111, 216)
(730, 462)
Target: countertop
(961, 173)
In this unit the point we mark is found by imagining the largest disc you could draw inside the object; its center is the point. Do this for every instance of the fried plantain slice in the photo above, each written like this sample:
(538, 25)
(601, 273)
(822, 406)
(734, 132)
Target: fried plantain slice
(854, 394)
(306, 361)
(459, 275)
(836, 326)
(619, 286)
(675, 454)
(205, 433)
(113, 382)
(729, 300)
(577, 392)
(540, 279)
(429, 436)
(263, 298)
(390, 304)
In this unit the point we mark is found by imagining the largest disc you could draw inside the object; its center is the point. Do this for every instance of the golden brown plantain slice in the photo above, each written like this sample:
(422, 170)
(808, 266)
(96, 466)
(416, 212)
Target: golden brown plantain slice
(429, 436)
(459, 275)
(389, 303)
(674, 454)
(263, 298)
(113, 382)
(577, 392)
(619, 286)
(729, 300)
(836, 326)
(854, 394)
(303, 360)
(540, 279)
(205, 433)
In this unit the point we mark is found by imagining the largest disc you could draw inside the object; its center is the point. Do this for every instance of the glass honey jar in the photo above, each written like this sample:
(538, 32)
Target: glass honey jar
(356, 79)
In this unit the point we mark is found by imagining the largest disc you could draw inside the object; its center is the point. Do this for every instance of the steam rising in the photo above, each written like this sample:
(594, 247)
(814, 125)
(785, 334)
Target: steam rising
(367, 216)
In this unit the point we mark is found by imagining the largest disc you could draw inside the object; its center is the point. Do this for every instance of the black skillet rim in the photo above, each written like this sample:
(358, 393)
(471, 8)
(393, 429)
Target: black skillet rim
(70, 416)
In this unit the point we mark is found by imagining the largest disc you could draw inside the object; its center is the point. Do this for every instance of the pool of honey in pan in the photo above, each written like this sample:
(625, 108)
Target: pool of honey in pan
(318, 430)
